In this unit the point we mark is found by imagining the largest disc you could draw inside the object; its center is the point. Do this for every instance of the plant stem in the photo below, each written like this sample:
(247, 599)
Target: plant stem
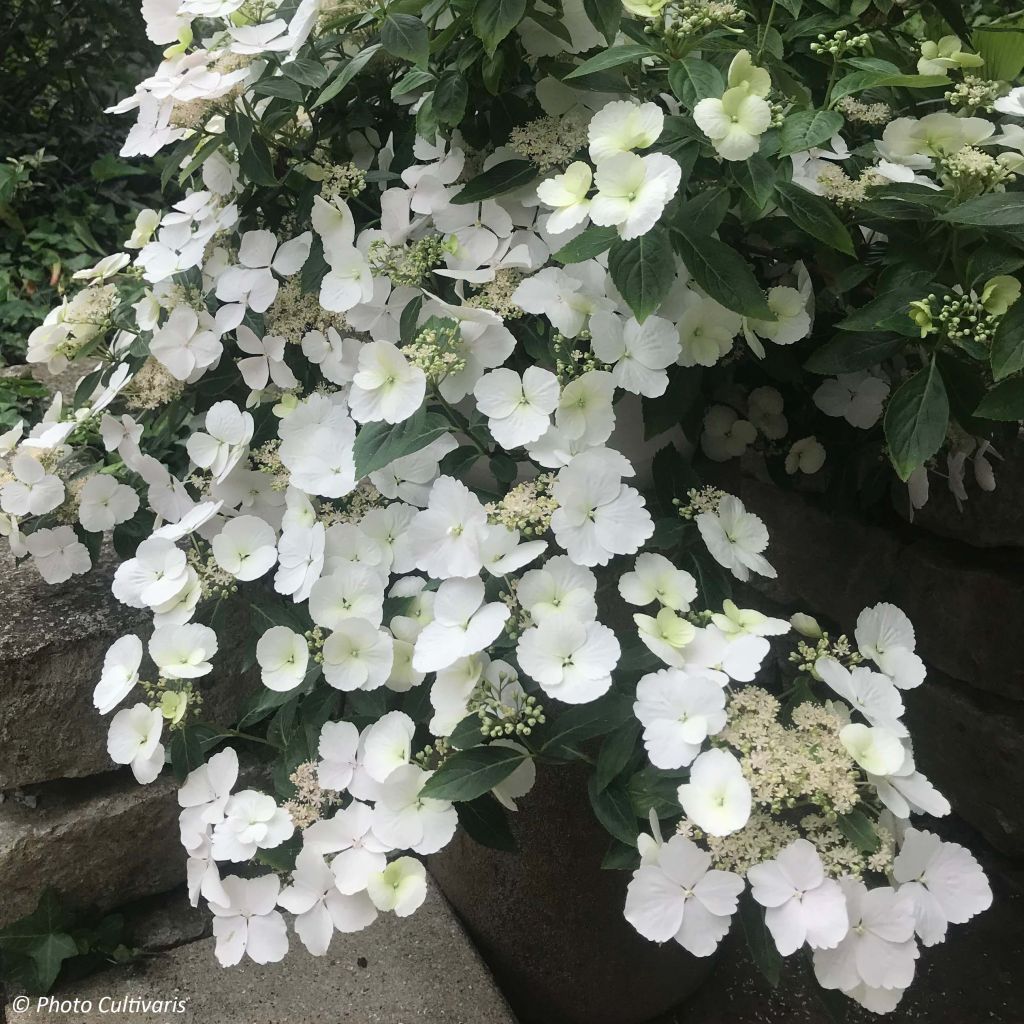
(762, 34)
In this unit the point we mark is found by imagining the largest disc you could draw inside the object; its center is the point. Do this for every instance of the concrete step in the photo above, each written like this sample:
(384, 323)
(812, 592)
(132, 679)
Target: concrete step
(397, 971)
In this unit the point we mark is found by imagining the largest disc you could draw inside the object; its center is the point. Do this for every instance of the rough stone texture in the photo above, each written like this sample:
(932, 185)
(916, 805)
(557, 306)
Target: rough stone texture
(972, 746)
(52, 643)
(966, 608)
(548, 920)
(162, 922)
(102, 841)
(985, 520)
(397, 971)
(972, 978)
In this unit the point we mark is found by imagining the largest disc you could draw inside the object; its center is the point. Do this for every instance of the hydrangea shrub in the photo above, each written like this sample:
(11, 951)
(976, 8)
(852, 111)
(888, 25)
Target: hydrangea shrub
(411, 370)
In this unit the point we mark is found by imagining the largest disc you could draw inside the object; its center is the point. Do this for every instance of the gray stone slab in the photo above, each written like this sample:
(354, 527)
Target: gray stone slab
(422, 968)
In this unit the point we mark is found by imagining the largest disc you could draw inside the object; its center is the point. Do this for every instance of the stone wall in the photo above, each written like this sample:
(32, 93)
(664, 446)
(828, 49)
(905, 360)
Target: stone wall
(67, 819)
(965, 596)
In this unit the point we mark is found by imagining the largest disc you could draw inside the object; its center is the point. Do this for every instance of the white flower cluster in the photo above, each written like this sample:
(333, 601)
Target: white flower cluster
(409, 499)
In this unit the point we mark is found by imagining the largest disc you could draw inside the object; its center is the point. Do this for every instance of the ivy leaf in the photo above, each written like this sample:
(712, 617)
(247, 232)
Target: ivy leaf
(501, 178)
(605, 16)
(916, 419)
(494, 19)
(1007, 355)
(806, 129)
(590, 242)
(814, 215)
(995, 210)
(43, 937)
(643, 270)
(1005, 402)
(613, 57)
(406, 37)
(379, 444)
(723, 273)
(468, 774)
(847, 353)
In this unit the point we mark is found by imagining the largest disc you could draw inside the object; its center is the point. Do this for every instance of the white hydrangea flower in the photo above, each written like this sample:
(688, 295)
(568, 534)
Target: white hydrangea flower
(678, 712)
(736, 538)
(249, 925)
(622, 126)
(401, 887)
(252, 821)
(559, 588)
(572, 662)
(678, 895)
(357, 656)
(246, 547)
(104, 503)
(120, 673)
(633, 191)
(386, 386)
(567, 194)
(717, 798)
(640, 352)
(134, 739)
(282, 655)
(803, 905)
(885, 636)
(33, 491)
(944, 882)
(518, 409)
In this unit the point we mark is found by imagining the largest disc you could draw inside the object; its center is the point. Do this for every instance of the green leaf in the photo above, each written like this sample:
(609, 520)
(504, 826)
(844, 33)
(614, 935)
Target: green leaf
(450, 98)
(551, 24)
(620, 857)
(108, 167)
(680, 398)
(493, 20)
(814, 215)
(616, 751)
(239, 130)
(1007, 355)
(704, 212)
(643, 270)
(406, 37)
(188, 748)
(256, 164)
(857, 827)
(590, 242)
(916, 419)
(467, 733)
(614, 809)
(953, 12)
(283, 88)
(693, 80)
(43, 937)
(613, 57)
(501, 178)
(723, 273)
(563, 732)
(713, 579)
(859, 81)
(1002, 49)
(756, 176)
(903, 201)
(305, 71)
(1005, 402)
(605, 16)
(346, 74)
(763, 950)
(379, 444)
(806, 129)
(889, 310)
(468, 774)
(846, 353)
(486, 822)
(995, 210)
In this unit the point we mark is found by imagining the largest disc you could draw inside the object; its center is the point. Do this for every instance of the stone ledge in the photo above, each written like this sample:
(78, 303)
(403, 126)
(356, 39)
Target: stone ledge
(397, 971)
(102, 841)
(966, 605)
(52, 643)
